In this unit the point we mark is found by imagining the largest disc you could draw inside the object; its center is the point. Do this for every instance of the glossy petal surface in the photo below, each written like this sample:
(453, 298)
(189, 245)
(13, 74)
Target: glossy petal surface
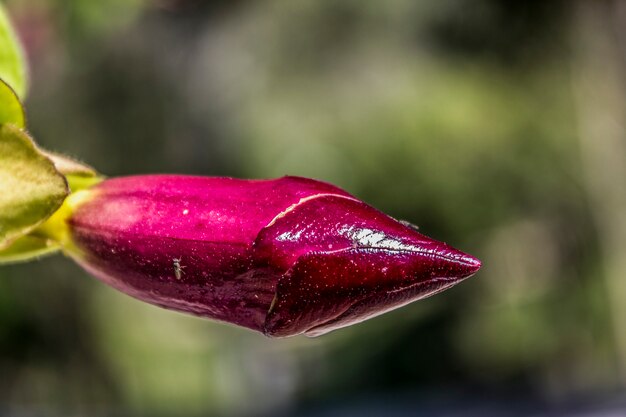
(347, 262)
(284, 256)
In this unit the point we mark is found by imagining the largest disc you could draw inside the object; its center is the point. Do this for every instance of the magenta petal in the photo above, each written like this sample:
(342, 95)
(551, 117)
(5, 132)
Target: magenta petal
(282, 256)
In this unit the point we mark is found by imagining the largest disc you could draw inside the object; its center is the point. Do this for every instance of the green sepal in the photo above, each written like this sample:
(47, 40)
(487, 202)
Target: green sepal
(79, 175)
(32, 188)
(11, 110)
(26, 248)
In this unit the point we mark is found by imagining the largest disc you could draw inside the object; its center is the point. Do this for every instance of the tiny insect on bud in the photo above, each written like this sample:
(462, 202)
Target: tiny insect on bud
(178, 268)
(283, 257)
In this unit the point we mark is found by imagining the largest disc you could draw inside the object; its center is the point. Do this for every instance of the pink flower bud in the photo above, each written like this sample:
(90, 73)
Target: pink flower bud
(284, 256)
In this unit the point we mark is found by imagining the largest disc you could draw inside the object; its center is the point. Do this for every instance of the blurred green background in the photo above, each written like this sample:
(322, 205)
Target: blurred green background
(496, 126)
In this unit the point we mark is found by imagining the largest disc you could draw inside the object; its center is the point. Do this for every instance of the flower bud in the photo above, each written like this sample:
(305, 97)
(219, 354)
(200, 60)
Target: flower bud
(283, 257)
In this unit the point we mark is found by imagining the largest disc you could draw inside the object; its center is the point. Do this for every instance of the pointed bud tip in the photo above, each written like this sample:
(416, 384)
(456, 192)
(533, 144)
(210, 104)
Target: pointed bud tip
(470, 264)
(458, 265)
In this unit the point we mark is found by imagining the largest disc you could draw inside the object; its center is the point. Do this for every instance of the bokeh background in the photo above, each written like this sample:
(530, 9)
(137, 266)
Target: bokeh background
(496, 126)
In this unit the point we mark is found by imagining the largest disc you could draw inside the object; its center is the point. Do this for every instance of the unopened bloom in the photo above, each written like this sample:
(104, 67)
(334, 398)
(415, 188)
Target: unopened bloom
(283, 257)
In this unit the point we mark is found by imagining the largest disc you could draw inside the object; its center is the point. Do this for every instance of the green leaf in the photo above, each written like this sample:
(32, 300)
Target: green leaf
(26, 248)
(12, 62)
(70, 166)
(32, 188)
(11, 110)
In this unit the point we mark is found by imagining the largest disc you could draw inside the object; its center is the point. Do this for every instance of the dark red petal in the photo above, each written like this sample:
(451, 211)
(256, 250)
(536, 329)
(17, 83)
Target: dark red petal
(326, 291)
(347, 262)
